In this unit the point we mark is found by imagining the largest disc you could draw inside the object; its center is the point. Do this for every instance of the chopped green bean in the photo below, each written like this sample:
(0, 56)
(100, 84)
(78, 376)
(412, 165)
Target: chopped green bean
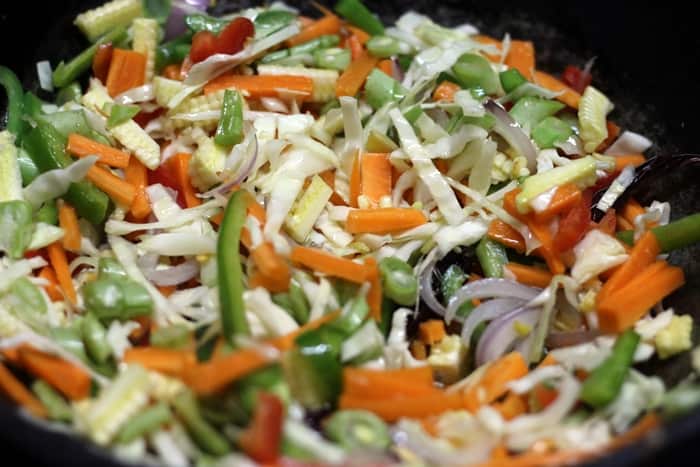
(398, 281)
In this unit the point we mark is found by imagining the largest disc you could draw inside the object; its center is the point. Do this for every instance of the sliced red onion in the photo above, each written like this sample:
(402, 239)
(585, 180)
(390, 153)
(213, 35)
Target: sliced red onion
(572, 146)
(512, 133)
(173, 275)
(143, 93)
(557, 340)
(489, 288)
(427, 294)
(500, 335)
(181, 8)
(250, 157)
(487, 311)
(274, 104)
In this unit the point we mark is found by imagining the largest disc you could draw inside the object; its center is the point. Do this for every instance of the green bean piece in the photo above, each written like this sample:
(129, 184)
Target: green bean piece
(357, 430)
(145, 423)
(530, 110)
(275, 56)
(300, 305)
(511, 79)
(352, 317)
(385, 46)
(550, 131)
(230, 129)
(56, 406)
(309, 47)
(15, 227)
(65, 73)
(111, 298)
(110, 268)
(332, 58)
(15, 100)
(203, 434)
(270, 21)
(453, 278)
(175, 336)
(233, 318)
(357, 14)
(473, 70)
(492, 257)
(95, 338)
(672, 236)
(69, 93)
(605, 381)
(399, 283)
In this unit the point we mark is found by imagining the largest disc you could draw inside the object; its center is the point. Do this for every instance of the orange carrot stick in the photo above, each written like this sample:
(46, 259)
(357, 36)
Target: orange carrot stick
(635, 160)
(15, 390)
(432, 331)
(271, 284)
(179, 165)
(51, 288)
(355, 46)
(257, 86)
(421, 374)
(506, 235)
(272, 265)
(445, 91)
(383, 220)
(136, 174)
(59, 263)
(568, 97)
(375, 176)
(493, 384)
(631, 210)
(329, 24)
(374, 296)
(120, 191)
(81, 146)
(623, 307)
(530, 275)
(328, 263)
(361, 35)
(565, 197)
(69, 379)
(386, 67)
(171, 362)
(490, 41)
(354, 76)
(68, 220)
(387, 384)
(521, 56)
(395, 408)
(548, 251)
(126, 70)
(355, 181)
(210, 377)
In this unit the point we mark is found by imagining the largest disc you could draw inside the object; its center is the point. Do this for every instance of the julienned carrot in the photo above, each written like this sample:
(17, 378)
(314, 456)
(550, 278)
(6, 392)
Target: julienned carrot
(136, 174)
(421, 374)
(257, 86)
(68, 220)
(642, 255)
(623, 224)
(360, 386)
(374, 295)
(179, 165)
(631, 210)
(59, 263)
(506, 235)
(81, 146)
(568, 96)
(635, 160)
(512, 406)
(355, 181)
(394, 408)
(15, 390)
(272, 265)
(623, 307)
(120, 191)
(490, 41)
(521, 56)
(548, 251)
(355, 46)
(445, 91)
(328, 176)
(171, 362)
(530, 275)
(51, 288)
(329, 24)
(354, 76)
(69, 379)
(328, 263)
(361, 35)
(271, 284)
(257, 211)
(565, 197)
(432, 331)
(126, 70)
(383, 220)
(493, 383)
(386, 66)
(375, 176)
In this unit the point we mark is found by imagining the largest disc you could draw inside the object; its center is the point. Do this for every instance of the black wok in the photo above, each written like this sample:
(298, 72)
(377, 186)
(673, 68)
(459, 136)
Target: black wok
(647, 62)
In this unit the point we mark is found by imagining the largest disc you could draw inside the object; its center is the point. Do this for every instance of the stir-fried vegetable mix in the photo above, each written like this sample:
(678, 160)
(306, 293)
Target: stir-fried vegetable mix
(269, 237)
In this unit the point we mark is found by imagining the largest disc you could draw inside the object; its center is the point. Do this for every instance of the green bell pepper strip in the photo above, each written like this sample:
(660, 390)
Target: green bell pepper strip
(473, 70)
(492, 257)
(145, 422)
(46, 148)
(56, 406)
(15, 227)
(27, 168)
(95, 338)
(119, 114)
(111, 298)
(357, 430)
(357, 14)
(322, 42)
(65, 73)
(175, 336)
(672, 236)
(294, 302)
(381, 88)
(230, 129)
(454, 278)
(399, 282)
(33, 105)
(174, 51)
(233, 319)
(69, 93)
(47, 213)
(332, 58)
(551, 131)
(199, 22)
(270, 21)
(511, 79)
(15, 100)
(29, 296)
(203, 434)
(270, 379)
(605, 381)
(385, 46)
(530, 110)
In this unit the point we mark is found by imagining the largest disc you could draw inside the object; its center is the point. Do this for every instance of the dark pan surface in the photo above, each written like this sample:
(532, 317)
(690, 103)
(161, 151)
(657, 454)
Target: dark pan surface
(647, 62)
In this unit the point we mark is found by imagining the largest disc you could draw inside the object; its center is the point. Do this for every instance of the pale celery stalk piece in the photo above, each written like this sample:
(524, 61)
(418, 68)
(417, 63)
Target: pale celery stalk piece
(592, 111)
(10, 176)
(323, 80)
(308, 209)
(580, 172)
(145, 40)
(98, 21)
